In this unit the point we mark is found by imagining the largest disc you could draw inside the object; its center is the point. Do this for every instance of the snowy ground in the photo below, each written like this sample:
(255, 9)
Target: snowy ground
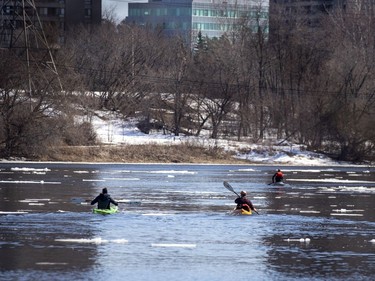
(114, 131)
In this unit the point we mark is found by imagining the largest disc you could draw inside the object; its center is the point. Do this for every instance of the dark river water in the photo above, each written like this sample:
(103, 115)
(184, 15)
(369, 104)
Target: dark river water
(175, 223)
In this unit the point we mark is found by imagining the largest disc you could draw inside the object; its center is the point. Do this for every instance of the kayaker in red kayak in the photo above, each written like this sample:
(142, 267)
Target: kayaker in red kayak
(104, 200)
(244, 203)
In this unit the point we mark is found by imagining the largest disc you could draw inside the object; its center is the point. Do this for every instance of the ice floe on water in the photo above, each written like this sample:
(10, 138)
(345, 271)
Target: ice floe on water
(28, 182)
(51, 263)
(157, 214)
(334, 180)
(301, 240)
(17, 169)
(352, 189)
(172, 172)
(122, 179)
(173, 245)
(13, 213)
(96, 240)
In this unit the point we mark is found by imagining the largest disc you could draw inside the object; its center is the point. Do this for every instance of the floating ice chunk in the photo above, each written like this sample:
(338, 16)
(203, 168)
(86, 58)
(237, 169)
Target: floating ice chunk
(309, 212)
(120, 241)
(346, 210)
(172, 172)
(301, 240)
(245, 170)
(12, 213)
(30, 169)
(27, 182)
(51, 263)
(156, 214)
(332, 180)
(93, 180)
(34, 200)
(97, 240)
(346, 214)
(174, 245)
(340, 210)
(122, 179)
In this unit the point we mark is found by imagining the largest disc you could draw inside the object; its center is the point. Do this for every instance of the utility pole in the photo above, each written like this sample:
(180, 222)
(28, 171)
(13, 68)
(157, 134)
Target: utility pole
(22, 34)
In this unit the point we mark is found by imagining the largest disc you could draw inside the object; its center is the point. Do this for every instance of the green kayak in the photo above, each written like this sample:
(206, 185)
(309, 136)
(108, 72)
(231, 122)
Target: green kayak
(112, 210)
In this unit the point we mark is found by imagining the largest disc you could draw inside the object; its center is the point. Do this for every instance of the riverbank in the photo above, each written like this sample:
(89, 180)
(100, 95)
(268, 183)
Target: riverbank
(147, 153)
(184, 153)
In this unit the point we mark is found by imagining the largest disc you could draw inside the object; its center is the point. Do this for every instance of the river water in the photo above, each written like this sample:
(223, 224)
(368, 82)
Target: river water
(175, 223)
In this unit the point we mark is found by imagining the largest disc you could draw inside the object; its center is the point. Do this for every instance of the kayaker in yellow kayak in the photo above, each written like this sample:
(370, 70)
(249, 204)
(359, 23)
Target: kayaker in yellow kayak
(243, 203)
(104, 200)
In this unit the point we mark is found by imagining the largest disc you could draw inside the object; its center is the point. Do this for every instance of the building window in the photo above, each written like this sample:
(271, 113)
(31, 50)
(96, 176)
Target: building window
(88, 12)
(161, 12)
(43, 11)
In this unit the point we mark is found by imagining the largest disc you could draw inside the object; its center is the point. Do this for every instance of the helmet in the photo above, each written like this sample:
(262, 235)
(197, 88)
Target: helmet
(243, 193)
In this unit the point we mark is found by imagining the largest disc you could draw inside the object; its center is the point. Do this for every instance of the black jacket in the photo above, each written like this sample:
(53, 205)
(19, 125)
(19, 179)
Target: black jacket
(104, 201)
(243, 200)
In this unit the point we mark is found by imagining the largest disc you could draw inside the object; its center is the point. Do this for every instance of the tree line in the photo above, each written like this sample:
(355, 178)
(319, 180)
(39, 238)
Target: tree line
(308, 85)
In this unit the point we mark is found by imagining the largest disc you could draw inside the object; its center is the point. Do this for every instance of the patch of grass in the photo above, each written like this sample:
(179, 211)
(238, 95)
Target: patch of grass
(139, 154)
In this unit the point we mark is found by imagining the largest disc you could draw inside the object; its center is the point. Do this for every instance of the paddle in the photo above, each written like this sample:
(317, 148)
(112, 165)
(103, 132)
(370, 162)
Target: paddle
(120, 201)
(230, 188)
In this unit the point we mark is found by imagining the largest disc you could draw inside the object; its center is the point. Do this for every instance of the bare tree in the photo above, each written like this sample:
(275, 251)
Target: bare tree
(351, 70)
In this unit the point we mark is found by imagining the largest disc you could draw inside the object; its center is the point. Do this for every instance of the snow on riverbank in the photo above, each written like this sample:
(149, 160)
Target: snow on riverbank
(115, 131)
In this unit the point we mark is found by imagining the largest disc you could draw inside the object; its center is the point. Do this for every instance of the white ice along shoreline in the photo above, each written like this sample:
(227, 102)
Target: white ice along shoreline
(112, 130)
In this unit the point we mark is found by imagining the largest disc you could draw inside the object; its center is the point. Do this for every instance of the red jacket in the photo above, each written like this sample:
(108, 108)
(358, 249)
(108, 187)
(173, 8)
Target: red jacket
(278, 176)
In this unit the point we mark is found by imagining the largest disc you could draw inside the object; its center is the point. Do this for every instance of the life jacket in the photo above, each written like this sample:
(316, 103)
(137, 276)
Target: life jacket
(246, 207)
(279, 175)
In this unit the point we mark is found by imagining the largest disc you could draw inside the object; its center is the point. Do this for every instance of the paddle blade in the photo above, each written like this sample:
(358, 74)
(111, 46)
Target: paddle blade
(229, 187)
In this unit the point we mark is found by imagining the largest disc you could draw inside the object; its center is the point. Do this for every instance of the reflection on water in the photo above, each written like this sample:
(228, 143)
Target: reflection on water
(175, 223)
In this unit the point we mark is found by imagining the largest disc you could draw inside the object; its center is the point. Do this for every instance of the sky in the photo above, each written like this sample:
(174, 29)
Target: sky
(120, 7)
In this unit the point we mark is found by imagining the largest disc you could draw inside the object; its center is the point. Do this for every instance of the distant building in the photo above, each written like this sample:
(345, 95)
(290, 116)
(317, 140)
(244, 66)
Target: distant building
(55, 16)
(173, 16)
(212, 18)
(308, 12)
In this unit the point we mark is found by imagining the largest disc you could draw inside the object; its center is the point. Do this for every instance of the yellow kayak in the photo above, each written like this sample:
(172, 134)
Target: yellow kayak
(245, 212)
(242, 212)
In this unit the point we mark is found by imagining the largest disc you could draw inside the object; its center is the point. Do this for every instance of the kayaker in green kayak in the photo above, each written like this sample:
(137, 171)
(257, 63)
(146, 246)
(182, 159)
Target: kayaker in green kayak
(243, 203)
(104, 200)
